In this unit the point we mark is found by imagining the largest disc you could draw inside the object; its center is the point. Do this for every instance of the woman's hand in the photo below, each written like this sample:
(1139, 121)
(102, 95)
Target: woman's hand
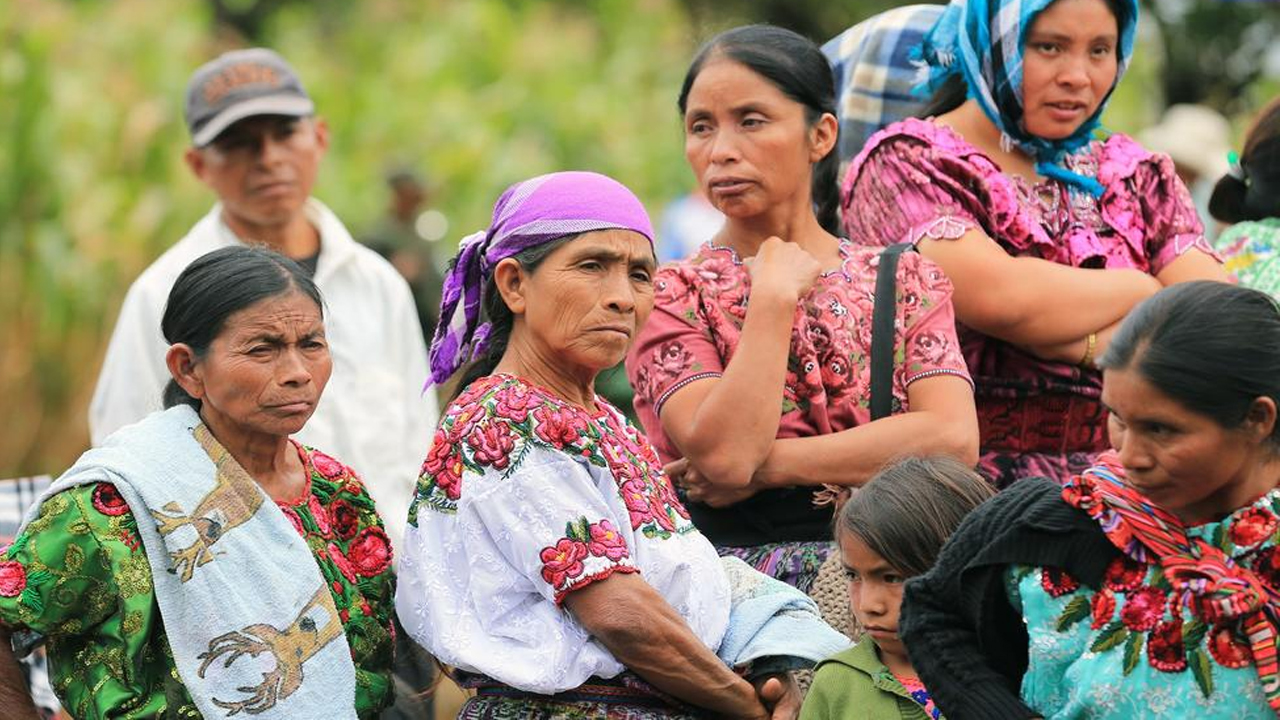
(697, 488)
(782, 270)
(780, 696)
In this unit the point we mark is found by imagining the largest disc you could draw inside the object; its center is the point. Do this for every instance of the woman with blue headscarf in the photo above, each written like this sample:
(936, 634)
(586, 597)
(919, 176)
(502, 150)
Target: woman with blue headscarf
(1049, 233)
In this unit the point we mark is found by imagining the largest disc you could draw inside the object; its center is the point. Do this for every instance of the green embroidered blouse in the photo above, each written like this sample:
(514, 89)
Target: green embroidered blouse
(79, 576)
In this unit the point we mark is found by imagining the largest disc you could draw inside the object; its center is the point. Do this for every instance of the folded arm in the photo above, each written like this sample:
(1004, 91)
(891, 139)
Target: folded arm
(942, 421)
(1029, 301)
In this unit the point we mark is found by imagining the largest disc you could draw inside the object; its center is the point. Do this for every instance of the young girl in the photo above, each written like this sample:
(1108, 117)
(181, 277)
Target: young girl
(890, 530)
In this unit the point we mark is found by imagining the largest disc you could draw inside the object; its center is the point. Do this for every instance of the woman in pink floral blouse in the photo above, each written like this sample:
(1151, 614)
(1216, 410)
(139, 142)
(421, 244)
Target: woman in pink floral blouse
(753, 370)
(1049, 235)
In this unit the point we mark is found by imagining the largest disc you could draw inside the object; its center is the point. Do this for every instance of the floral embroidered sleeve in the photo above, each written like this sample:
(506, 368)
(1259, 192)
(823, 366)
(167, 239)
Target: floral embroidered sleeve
(1169, 214)
(929, 343)
(547, 519)
(906, 190)
(675, 347)
(57, 578)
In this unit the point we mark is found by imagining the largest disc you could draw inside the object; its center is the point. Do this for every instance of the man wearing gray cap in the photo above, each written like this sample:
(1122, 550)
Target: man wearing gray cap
(257, 144)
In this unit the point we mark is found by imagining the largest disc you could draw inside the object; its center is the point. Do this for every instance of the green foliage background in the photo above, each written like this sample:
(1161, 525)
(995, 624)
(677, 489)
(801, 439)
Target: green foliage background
(476, 94)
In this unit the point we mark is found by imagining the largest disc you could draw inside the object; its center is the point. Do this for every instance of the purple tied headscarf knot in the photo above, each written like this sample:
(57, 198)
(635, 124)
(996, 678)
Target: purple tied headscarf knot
(530, 213)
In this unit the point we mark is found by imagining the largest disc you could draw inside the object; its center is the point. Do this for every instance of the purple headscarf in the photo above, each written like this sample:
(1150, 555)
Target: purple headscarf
(530, 213)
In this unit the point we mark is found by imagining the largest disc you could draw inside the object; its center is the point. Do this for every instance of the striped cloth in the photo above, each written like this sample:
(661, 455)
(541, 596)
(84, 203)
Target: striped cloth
(16, 495)
(874, 73)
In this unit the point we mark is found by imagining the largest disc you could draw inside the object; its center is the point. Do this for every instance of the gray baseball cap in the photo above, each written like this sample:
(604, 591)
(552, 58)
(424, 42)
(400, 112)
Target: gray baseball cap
(241, 84)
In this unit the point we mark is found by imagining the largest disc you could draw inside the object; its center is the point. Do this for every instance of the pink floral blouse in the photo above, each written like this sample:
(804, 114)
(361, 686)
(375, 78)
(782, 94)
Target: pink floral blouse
(700, 306)
(916, 179)
(523, 499)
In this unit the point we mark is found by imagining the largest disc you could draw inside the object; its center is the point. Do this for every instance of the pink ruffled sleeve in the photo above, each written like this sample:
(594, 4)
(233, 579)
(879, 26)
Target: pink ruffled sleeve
(905, 190)
(1172, 225)
(673, 349)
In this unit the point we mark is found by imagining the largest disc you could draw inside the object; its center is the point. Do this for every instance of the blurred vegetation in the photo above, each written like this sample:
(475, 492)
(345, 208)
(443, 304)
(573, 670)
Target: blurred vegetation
(475, 94)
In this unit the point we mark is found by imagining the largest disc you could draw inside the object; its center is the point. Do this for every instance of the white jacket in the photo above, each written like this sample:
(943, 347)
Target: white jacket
(373, 415)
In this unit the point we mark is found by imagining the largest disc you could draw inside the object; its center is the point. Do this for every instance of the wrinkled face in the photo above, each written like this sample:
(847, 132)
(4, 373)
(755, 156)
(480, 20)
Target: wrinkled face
(749, 145)
(262, 167)
(265, 371)
(1069, 64)
(582, 306)
(875, 592)
(1183, 461)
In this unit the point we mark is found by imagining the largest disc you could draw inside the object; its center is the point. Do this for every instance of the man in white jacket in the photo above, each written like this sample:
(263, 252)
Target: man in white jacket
(257, 144)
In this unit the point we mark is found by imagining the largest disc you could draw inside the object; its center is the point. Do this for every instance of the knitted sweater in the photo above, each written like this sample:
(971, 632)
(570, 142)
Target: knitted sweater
(965, 640)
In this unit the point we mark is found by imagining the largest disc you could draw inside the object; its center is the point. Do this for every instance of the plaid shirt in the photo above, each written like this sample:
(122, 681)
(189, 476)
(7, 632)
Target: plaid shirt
(16, 495)
(875, 73)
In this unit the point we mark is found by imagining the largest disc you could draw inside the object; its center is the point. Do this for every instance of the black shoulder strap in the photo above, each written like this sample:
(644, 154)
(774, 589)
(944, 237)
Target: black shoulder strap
(882, 335)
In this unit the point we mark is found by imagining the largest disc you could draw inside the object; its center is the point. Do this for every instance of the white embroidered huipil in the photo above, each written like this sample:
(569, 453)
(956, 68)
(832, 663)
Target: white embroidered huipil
(523, 499)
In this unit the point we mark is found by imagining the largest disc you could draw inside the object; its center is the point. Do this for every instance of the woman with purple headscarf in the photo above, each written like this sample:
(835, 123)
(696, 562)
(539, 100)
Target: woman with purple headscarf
(547, 554)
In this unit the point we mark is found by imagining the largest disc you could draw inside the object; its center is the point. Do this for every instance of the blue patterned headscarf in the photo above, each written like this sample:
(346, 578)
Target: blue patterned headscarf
(983, 40)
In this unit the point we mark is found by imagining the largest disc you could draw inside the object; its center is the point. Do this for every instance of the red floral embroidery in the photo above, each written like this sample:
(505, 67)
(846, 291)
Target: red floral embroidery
(346, 519)
(1252, 527)
(13, 578)
(562, 561)
(1057, 582)
(1124, 575)
(345, 616)
(342, 563)
(1267, 566)
(1228, 650)
(443, 466)
(1165, 649)
(514, 402)
(492, 443)
(320, 515)
(636, 496)
(559, 426)
(606, 542)
(327, 466)
(370, 552)
(1142, 609)
(1104, 607)
(293, 518)
(107, 500)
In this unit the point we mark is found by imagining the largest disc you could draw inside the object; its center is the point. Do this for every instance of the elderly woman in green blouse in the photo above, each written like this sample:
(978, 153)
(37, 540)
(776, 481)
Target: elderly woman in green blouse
(201, 563)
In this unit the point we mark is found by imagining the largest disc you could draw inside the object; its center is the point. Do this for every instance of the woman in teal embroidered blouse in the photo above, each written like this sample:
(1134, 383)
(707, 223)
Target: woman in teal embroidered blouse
(1150, 584)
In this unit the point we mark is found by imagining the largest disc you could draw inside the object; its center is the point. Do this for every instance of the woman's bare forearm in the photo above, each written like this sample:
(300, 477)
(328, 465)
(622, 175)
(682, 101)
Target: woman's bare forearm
(14, 696)
(647, 635)
(942, 422)
(747, 398)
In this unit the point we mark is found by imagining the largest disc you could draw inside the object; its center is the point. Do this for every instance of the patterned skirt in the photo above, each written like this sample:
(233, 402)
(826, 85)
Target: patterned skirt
(623, 698)
(794, 563)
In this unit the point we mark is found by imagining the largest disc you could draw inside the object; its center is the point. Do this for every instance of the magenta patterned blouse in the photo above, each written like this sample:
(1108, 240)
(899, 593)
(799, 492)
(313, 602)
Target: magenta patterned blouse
(916, 179)
(700, 305)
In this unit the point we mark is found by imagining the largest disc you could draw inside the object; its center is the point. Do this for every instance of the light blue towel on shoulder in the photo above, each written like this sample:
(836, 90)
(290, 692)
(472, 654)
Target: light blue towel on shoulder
(250, 620)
